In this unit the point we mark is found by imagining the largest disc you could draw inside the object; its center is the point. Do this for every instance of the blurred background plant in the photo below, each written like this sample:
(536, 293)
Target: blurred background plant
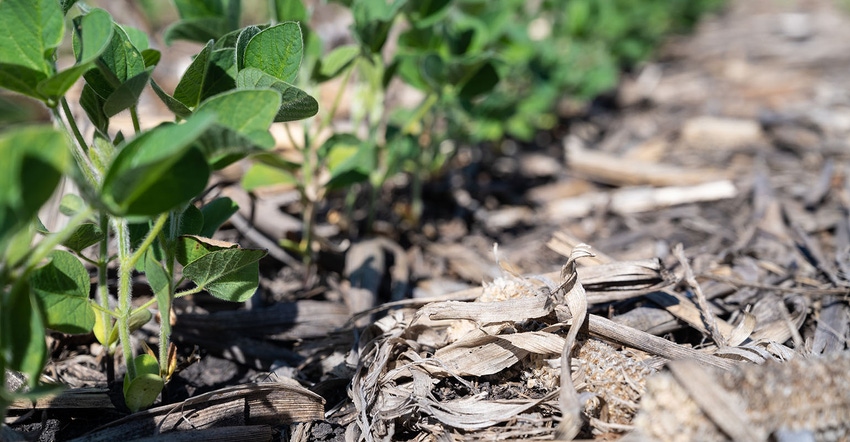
(549, 50)
(481, 71)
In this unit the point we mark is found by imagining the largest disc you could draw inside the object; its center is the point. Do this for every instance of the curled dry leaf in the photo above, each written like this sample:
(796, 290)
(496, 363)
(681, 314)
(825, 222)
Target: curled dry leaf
(576, 300)
(470, 369)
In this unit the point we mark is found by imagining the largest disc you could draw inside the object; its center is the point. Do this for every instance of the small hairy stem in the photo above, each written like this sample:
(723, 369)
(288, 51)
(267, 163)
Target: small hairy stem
(102, 276)
(192, 291)
(109, 313)
(125, 269)
(127, 262)
(176, 218)
(79, 148)
(164, 338)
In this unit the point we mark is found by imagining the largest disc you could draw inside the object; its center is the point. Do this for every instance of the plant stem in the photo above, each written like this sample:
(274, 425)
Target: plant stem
(420, 113)
(134, 115)
(416, 206)
(73, 125)
(79, 148)
(122, 233)
(175, 218)
(310, 169)
(107, 312)
(150, 303)
(307, 238)
(272, 4)
(325, 122)
(102, 276)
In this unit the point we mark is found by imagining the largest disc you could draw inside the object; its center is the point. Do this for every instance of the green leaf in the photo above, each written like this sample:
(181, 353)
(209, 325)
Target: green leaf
(349, 160)
(231, 274)
(85, 235)
(192, 247)
(200, 30)
(62, 288)
(21, 79)
(127, 94)
(31, 30)
(482, 82)
(228, 41)
(103, 329)
(67, 5)
(122, 61)
(372, 21)
(71, 204)
(137, 37)
(192, 221)
(32, 161)
(188, 90)
(276, 51)
(242, 43)
(275, 160)
(221, 74)
(19, 245)
(424, 13)
(199, 8)
(171, 103)
(332, 64)
(223, 146)
(408, 68)
(263, 175)
(151, 57)
(158, 170)
(248, 113)
(216, 213)
(92, 34)
(92, 104)
(290, 10)
(23, 334)
(295, 103)
(142, 391)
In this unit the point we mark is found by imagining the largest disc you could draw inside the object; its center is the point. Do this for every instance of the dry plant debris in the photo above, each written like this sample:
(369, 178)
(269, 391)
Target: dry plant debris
(524, 359)
(806, 397)
(244, 411)
(493, 368)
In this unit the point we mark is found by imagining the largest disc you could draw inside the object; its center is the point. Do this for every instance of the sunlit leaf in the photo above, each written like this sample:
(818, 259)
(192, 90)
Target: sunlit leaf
(230, 274)
(276, 51)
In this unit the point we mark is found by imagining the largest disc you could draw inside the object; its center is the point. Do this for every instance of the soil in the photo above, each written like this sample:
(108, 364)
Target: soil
(745, 124)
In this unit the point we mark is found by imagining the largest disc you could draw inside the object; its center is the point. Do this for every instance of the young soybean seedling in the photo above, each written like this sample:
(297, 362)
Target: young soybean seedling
(138, 190)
